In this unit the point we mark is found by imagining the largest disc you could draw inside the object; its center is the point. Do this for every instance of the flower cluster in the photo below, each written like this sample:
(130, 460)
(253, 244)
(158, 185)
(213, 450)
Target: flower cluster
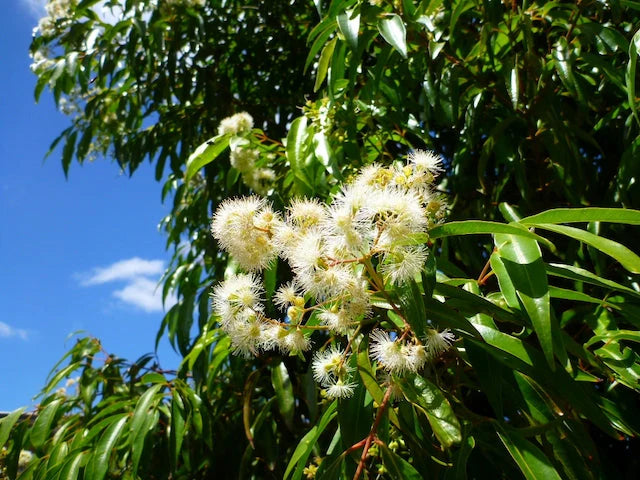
(238, 124)
(370, 238)
(58, 14)
(244, 158)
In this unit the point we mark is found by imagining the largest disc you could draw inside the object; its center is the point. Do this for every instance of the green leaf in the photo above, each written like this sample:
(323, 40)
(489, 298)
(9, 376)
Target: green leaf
(178, 426)
(141, 411)
(622, 254)
(99, 462)
(630, 76)
(530, 459)
(474, 227)
(365, 369)
(432, 403)
(354, 416)
(205, 154)
(349, 25)
(323, 63)
(153, 377)
(571, 215)
(284, 393)
(7, 423)
(295, 143)
(398, 467)
(615, 336)
(71, 466)
(392, 29)
(582, 275)
(308, 442)
(413, 307)
(522, 260)
(42, 426)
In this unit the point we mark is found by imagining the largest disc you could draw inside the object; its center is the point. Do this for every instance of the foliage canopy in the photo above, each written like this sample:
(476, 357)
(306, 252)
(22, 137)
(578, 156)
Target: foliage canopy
(533, 107)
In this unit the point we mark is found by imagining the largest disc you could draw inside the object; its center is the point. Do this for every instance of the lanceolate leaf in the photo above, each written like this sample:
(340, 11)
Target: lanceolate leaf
(582, 275)
(394, 32)
(572, 215)
(99, 462)
(398, 467)
(7, 423)
(42, 426)
(433, 404)
(205, 154)
(284, 393)
(474, 227)
(622, 254)
(349, 25)
(523, 263)
(530, 459)
(304, 448)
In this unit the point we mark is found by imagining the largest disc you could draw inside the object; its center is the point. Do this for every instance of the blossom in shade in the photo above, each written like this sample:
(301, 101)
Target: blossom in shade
(438, 342)
(389, 353)
(237, 124)
(340, 389)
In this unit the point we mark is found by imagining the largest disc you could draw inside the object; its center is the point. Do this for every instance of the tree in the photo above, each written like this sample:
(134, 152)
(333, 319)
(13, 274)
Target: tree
(533, 108)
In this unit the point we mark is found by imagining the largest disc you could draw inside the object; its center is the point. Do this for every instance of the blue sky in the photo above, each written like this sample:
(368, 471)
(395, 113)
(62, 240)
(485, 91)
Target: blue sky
(77, 254)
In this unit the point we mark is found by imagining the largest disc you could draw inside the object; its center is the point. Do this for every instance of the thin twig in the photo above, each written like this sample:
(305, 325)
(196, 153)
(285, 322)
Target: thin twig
(372, 433)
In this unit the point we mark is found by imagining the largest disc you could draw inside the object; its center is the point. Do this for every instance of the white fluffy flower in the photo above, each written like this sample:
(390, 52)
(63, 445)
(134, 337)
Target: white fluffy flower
(426, 161)
(439, 342)
(237, 124)
(340, 389)
(244, 227)
(288, 294)
(295, 342)
(403, 263)
(304, 214)
(330, 366)
(235, 294)
(243, 159)
(389, 353)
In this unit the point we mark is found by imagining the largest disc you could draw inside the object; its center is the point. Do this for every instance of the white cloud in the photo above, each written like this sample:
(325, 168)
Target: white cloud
(7, 331)
(141, 289)
(142, 293)
(124, 270)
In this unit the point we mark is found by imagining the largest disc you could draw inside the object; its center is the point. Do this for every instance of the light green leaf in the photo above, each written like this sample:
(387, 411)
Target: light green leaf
(398, 467)
(570, 215)
(474, 227)
(295, 143)
(523, 263)
(99, 462)
(205, 154)
(153, 377)
(619, 252)
(504, 281)
(615, 336)
(349, 25)
(582, 275)
(7, 423)
(42, 426)
(530, 459)
(323, 62)
(433, 404)
(178, 427)
(365, 369)
(308, 442)
(284, 393)
(392, 29)
(71, 467)
(141, 411)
